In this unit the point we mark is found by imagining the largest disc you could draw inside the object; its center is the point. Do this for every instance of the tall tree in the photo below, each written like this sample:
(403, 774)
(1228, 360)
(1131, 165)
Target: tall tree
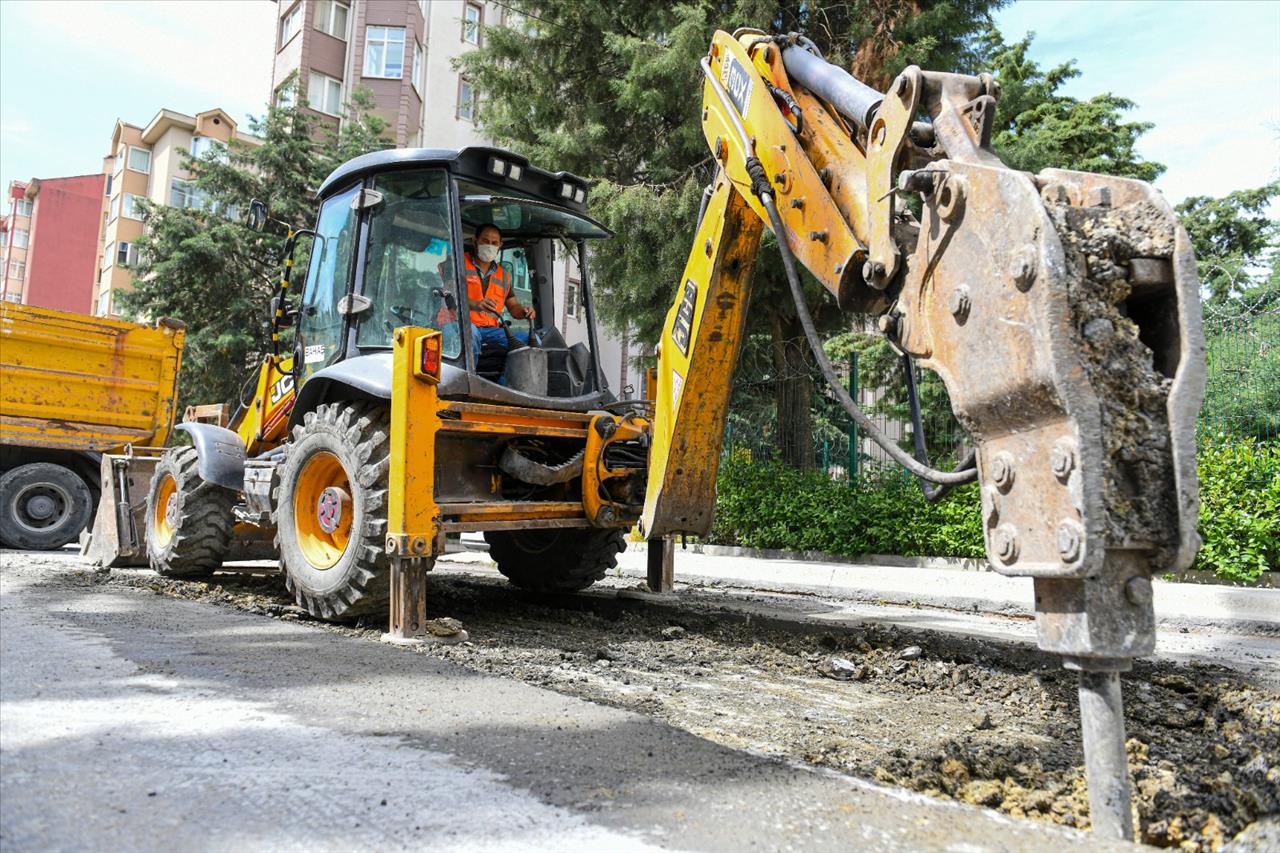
(203, 266)
(1237, 242)
(609, 89)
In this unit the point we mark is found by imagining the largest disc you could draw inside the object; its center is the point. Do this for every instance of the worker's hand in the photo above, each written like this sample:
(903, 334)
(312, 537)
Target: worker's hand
(489, 304)
(530, 314)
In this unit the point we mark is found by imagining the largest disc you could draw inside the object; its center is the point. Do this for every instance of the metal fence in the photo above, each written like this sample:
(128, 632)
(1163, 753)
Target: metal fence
(1242, 398)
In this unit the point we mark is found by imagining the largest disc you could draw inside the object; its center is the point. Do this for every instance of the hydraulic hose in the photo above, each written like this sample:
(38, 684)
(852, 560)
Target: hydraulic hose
(920, 469)
(931, 493)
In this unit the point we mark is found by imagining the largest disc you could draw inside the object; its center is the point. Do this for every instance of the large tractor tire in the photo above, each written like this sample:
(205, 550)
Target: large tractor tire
(331, 511)
(189, 521)
(42, 506)
(565, 560)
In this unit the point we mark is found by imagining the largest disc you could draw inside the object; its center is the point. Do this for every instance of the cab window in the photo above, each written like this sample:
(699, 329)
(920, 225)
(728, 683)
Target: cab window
(328, 275)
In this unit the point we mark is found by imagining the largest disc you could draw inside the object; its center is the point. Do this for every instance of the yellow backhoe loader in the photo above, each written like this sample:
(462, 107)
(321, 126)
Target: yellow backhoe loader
(1060, 309)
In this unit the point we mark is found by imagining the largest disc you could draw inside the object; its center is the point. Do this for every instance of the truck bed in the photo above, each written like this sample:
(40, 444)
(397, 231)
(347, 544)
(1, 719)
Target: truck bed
(74, 382)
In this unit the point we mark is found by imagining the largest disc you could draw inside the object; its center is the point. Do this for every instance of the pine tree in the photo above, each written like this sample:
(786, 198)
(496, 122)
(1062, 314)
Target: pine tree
(204, 266)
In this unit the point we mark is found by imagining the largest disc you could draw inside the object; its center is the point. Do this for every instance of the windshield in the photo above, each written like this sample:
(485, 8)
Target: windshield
(409, 269)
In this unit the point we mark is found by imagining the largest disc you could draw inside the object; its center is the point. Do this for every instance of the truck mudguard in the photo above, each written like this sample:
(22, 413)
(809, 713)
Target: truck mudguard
(221, 454)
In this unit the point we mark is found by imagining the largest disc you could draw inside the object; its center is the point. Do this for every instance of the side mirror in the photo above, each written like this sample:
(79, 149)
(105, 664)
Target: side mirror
(257, 215)
(287, 318)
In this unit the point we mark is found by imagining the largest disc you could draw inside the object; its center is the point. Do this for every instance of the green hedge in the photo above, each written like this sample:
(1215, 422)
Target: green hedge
(766, 505)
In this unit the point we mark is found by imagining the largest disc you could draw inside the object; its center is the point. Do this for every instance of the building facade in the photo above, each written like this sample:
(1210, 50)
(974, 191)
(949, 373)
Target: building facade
(402, 52)
(15, 237)
(51, 241)
(147, 163)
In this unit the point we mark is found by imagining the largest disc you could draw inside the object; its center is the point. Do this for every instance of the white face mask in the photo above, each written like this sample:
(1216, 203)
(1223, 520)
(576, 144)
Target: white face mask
(487, 252)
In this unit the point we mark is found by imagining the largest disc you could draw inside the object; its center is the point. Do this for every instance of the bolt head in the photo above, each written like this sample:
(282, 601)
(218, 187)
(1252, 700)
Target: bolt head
(1138, 590)
(959, 302)
(1062, 459)
(1022, 267)
(993, 504)
(1005, 543)
(1002, 471)
(1070, 538)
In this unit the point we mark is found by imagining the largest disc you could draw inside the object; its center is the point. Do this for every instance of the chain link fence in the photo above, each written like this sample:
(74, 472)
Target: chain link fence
(1242, 397)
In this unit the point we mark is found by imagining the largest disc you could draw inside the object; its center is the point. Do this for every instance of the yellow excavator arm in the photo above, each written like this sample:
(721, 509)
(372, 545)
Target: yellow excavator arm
(1060, 309)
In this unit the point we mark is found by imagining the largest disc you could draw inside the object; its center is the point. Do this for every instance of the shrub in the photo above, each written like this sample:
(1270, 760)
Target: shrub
(1239, 508)
(767, 505)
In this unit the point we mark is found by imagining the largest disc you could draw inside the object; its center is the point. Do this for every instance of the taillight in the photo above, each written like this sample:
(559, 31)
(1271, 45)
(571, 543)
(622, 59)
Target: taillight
(428, 361)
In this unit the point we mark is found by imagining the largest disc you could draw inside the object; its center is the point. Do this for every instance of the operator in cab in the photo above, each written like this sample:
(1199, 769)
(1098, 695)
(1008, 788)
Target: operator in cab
(488, 290)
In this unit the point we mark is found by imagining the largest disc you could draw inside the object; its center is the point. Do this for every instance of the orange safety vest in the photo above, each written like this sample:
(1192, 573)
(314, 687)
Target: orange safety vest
(479, 287)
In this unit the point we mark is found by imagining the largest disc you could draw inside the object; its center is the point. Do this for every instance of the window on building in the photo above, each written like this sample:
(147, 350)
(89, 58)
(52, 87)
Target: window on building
(472, 18)
(129, 207)
(104, 303)
(201, 145)
(384, 52)
(107, 256)
(126, 254)
(182, 193)
(17, 269)
(572, 288)
(419, 67)
(108, 193)
(139, 159)
(20, 238)
(324, 93)
(284, 96)
(331, 18)
(290, 24)
(22, 207)
(466, 100)
(120, 154)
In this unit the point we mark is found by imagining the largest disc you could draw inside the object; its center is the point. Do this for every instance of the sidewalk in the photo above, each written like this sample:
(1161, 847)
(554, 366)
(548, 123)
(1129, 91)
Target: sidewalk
(1254, 611)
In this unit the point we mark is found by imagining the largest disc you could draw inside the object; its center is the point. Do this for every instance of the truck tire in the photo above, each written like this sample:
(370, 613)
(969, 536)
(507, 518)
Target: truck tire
(189, 521)
(331, 511)
(42, 506)
(564, 560)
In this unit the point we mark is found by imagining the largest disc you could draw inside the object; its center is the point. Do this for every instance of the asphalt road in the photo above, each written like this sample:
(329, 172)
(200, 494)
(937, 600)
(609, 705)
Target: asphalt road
(130, 721)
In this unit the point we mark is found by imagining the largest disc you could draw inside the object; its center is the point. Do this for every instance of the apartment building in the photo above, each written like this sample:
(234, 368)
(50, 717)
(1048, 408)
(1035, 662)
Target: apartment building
(51, 241)
(147, 163)
(15, 237)
(402, 51)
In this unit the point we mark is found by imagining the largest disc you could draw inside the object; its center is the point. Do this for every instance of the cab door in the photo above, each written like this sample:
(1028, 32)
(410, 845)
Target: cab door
(320, 325)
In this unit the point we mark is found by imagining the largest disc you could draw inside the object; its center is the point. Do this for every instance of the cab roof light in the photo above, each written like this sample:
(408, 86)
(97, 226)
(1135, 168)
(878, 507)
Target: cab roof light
(566, 190)
(515, 172)
(579, 196)
(498, 166)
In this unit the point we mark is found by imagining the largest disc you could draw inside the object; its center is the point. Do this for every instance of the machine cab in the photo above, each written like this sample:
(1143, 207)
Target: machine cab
(395, 245)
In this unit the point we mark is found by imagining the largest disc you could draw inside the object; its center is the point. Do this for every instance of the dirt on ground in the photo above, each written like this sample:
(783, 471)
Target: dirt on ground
(985, 723)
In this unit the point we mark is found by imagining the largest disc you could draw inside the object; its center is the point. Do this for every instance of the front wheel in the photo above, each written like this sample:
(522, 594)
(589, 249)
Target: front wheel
(331, 511)
(189, 522)
(556, 560)
(42, 506)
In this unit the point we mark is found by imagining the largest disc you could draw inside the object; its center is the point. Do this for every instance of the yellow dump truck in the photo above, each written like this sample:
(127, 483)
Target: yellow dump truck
(73, 390)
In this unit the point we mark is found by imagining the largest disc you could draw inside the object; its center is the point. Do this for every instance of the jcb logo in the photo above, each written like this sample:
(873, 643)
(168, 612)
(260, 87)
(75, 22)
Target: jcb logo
(282, 388)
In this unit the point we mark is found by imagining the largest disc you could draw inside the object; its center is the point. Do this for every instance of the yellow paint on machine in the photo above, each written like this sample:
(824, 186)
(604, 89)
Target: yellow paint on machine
(76, 382)
(413, 519)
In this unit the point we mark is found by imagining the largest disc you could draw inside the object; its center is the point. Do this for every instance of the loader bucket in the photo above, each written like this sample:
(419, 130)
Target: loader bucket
(119, 535)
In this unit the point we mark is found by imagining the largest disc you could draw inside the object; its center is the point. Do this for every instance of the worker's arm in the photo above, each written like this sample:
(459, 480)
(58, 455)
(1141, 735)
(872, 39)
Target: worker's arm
(520, 312)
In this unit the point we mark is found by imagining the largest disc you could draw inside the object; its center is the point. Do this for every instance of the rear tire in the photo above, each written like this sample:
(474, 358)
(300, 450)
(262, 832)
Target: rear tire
(42, 506)
(556, 560)
(189, 521)
(331, 511)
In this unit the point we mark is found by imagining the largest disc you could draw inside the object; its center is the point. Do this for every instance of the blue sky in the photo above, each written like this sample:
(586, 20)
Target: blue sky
(1206, 73)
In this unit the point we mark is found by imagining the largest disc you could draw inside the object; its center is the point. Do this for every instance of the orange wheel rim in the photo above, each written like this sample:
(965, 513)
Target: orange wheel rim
(164, 516)
(322, 510)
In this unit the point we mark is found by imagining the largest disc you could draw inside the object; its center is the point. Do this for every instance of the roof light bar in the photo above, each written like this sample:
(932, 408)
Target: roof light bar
(498, 166)
(515, 172)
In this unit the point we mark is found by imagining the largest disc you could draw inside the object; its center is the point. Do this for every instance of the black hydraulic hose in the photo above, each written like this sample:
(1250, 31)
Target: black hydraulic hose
(931, 493)
(921, 470)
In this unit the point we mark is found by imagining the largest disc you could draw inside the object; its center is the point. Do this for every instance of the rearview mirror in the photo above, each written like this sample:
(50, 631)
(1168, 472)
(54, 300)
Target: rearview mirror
(257, 215)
